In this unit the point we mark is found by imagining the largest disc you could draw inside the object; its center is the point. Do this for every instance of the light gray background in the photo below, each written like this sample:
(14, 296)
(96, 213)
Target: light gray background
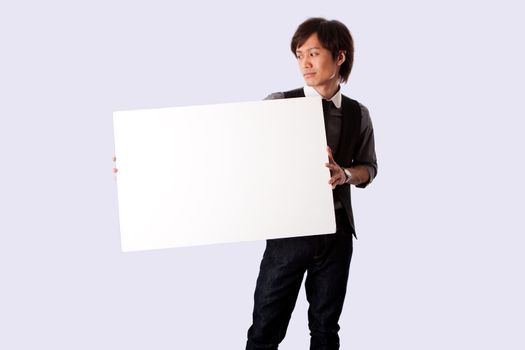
(438, 263)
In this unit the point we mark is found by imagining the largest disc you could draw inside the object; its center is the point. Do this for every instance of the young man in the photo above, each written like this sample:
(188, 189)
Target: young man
(324, 51)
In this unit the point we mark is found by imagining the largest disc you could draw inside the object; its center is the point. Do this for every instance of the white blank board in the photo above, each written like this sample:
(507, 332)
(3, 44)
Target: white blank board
(222, 173)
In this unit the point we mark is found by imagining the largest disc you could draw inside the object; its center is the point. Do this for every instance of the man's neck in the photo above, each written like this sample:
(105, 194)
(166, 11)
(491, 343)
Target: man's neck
(327, 90)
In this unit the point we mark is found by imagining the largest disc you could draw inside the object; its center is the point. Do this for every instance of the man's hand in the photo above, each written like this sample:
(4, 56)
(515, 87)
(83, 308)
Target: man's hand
(359, 173)
(337, 173)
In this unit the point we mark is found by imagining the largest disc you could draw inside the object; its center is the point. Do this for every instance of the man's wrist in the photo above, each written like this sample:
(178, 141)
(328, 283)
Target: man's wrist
(348, 175)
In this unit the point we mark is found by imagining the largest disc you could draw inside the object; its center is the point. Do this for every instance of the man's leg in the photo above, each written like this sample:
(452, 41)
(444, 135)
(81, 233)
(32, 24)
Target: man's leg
(326, 283)
(280, 277)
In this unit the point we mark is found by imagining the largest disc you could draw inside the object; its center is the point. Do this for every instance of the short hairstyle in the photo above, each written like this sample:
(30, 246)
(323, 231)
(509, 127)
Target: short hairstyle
(333, 35)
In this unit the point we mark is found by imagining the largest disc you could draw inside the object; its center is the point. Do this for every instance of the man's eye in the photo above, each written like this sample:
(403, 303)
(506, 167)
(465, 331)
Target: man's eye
(313, 54)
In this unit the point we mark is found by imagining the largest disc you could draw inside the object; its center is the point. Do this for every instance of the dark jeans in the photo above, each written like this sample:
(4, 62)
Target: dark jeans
(326, 258)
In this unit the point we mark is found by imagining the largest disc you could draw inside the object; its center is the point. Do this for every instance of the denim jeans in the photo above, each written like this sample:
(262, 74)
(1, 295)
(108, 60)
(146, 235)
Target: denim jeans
(326, 259)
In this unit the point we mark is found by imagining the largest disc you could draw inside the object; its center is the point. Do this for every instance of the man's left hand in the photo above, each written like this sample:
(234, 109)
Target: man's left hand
(337, 173)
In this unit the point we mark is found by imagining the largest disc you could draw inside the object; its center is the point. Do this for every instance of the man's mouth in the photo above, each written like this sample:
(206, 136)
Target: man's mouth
(308, 75)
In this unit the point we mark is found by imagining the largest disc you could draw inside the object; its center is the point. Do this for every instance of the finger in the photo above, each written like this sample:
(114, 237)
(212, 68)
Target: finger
(114, 170)
(329, 151)
(336, 168)
(331, 158)
(336, 180)
(334, 172)
(333, 180)
(330, 155)
(114, 158)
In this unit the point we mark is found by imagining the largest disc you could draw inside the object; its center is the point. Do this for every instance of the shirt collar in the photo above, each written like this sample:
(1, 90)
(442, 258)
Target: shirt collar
(336, 99)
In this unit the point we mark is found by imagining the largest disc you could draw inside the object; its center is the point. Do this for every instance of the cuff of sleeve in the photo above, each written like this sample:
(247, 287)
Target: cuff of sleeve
(371, 176)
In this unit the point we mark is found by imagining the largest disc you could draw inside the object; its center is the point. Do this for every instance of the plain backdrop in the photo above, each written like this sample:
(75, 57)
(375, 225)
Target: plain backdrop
(439, 261)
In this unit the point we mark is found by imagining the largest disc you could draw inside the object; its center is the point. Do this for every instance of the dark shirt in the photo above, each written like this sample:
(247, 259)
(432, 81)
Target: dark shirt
(333, 119)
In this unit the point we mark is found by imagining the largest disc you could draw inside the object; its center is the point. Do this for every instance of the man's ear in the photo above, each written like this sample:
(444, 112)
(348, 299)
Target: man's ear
(341, 57)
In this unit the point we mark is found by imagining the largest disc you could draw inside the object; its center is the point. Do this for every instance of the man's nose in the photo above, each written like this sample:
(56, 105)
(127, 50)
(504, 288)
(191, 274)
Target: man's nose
(306, 63)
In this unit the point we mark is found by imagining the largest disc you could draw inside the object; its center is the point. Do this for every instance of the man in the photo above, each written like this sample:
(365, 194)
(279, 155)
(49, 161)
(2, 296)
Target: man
(324, 51)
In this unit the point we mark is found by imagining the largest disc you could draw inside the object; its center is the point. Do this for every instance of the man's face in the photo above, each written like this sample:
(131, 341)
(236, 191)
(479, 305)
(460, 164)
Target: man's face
(316, 63)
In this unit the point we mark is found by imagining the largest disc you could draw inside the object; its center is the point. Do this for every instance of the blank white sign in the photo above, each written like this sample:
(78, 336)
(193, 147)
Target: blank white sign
(222, 173)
